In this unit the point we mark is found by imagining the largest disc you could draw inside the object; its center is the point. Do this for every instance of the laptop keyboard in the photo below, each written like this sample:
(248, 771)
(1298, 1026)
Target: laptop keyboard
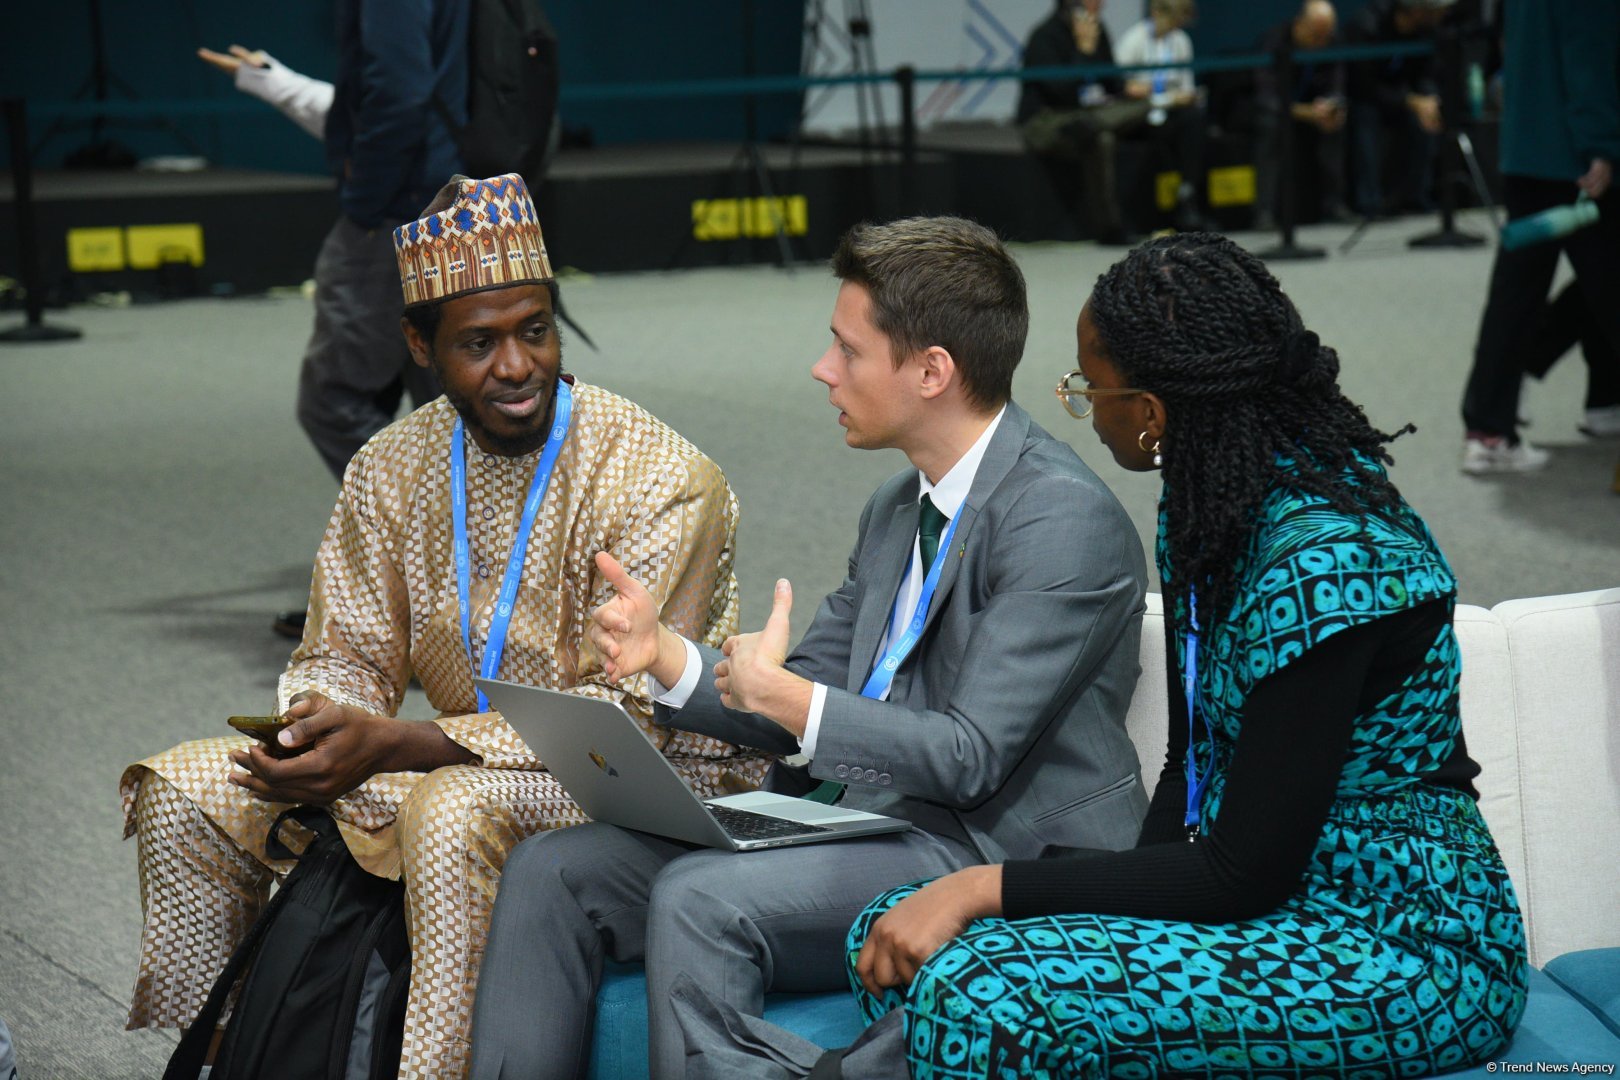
(746, 825)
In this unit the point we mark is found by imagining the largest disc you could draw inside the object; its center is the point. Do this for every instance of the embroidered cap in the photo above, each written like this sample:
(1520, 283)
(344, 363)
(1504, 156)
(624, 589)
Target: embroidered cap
(474, 235)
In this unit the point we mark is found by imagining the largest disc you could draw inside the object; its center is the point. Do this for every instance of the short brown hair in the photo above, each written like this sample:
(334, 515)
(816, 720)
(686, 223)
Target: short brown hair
(948, 282)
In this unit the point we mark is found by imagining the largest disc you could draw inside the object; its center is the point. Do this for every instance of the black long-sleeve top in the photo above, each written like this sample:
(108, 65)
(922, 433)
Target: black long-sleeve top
(1385, 83)
(1279, 788)
(1051, 44)
(1312, 78)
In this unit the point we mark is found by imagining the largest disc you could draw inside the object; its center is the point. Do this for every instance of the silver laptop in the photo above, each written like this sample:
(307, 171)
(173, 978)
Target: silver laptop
(602, 758)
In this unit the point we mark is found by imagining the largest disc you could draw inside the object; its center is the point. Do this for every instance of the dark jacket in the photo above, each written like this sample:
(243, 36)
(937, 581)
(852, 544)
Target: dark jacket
(1386, 83)
(1561, 87)
(1051, 44)
(385, 140)
(1312, 79)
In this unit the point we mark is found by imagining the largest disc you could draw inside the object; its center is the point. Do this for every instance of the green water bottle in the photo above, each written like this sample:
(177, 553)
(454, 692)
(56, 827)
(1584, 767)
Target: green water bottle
(1552, 224)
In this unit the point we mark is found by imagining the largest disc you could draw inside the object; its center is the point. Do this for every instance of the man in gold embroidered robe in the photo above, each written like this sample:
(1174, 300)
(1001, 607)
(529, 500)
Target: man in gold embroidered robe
(440, 803)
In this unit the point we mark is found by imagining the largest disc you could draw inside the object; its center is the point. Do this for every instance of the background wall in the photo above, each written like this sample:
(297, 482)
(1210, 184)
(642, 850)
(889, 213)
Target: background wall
(150, 48)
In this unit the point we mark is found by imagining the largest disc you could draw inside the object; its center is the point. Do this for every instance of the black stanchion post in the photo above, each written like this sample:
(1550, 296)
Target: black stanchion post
(1450, 48)
(22, 172)
(905, 78)
(1283, 60)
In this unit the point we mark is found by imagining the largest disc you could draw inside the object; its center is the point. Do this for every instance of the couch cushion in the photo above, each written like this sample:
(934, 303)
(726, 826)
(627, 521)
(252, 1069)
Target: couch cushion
(1488, 726)
(1592, 977)
(1556, 1029)
(1565, 657)
(619, 1044)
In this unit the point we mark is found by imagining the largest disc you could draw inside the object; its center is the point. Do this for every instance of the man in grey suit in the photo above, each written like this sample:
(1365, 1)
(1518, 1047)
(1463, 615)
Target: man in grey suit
(996, 730)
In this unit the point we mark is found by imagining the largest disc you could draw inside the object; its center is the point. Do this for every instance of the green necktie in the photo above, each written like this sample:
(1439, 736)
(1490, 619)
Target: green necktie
(930, 524)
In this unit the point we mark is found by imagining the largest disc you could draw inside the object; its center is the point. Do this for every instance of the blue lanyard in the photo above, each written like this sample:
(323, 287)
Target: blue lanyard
(882, 677)
(1161, 77)
(501, 618)
(1189, 677)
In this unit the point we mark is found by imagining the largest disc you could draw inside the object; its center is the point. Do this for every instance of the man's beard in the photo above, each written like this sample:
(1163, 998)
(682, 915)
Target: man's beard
(506, 445)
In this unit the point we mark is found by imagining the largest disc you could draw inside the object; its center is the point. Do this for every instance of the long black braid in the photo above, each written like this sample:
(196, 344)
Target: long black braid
(1201, 323)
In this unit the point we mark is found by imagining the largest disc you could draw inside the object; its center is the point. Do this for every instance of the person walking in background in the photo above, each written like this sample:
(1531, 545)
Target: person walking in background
(1566, 321)
(1560, 143)
(390, 149)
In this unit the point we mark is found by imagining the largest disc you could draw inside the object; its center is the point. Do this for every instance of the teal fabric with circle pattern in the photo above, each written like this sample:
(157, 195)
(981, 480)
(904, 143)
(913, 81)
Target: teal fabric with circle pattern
(1400, 954)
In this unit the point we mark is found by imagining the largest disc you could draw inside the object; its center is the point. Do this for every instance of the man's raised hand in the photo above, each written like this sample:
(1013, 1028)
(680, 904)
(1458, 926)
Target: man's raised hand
(752, 677)
(228, 63)
(625, 630)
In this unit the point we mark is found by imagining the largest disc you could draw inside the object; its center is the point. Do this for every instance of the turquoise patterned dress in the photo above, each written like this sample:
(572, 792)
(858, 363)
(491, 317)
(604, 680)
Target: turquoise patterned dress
(1401, 952)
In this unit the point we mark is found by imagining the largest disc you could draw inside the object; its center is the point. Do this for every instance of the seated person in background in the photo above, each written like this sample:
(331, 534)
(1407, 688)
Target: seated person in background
(1396, 99)
(1080, 120)
(1175, 114)
(996, 728)
(1315, 105)
(1314, 891)
(538, 471)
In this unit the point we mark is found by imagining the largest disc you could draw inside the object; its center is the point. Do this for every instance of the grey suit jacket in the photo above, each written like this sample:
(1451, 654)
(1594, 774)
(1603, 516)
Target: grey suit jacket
(1006, 724)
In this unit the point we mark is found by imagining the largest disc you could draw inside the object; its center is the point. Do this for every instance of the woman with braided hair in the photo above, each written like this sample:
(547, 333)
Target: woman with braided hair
(1341, 909)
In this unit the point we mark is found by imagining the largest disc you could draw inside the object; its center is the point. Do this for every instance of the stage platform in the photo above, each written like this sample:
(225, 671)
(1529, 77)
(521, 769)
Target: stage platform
(644, 207)
(641, 207)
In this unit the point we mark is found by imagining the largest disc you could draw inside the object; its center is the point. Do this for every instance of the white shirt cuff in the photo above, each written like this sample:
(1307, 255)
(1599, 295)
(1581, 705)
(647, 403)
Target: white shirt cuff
(675, 697)
(812, 723)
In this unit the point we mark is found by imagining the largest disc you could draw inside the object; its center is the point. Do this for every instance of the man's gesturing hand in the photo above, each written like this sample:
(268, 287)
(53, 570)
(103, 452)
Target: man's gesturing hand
(626, 632)
(752, 677)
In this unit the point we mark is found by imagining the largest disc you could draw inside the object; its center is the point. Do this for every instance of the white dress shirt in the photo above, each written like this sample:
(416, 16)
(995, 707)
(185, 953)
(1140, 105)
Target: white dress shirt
(948, 496)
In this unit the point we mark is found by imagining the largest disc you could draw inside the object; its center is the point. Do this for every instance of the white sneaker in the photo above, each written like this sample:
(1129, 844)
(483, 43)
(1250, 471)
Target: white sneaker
(1602, 422)
(1496, 455)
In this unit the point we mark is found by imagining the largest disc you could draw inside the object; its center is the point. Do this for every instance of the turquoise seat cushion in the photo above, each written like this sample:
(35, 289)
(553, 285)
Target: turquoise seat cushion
(1556, 1028)
(1592, 977)
(619, 1044)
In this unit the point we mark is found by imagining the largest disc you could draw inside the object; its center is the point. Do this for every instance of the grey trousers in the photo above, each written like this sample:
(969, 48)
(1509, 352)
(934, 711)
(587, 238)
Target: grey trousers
(1089, 136)
(356, 366)
(723, 1044)
(738, 925)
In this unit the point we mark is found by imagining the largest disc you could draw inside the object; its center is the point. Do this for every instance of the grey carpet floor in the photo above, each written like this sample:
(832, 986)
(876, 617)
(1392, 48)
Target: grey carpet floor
(157, 503)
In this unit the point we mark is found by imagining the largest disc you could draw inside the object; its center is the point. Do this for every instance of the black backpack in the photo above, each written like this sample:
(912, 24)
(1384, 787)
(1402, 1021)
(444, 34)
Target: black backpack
(324, 974)
(511, 90)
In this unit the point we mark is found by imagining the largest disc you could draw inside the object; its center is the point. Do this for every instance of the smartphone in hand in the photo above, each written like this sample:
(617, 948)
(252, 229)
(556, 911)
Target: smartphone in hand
(260, 727)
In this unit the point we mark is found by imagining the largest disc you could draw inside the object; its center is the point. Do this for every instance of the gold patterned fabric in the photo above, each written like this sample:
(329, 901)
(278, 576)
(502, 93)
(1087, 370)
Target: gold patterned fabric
(384, 606)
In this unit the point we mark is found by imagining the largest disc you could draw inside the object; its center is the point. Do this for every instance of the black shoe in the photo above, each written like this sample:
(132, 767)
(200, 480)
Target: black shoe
(289, 624)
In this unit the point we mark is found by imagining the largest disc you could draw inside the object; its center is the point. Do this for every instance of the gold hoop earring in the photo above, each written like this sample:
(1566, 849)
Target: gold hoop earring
(1141, 444)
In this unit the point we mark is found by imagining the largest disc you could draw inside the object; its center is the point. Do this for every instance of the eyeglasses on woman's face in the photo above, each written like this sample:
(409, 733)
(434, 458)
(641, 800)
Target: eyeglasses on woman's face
(1073, 385)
